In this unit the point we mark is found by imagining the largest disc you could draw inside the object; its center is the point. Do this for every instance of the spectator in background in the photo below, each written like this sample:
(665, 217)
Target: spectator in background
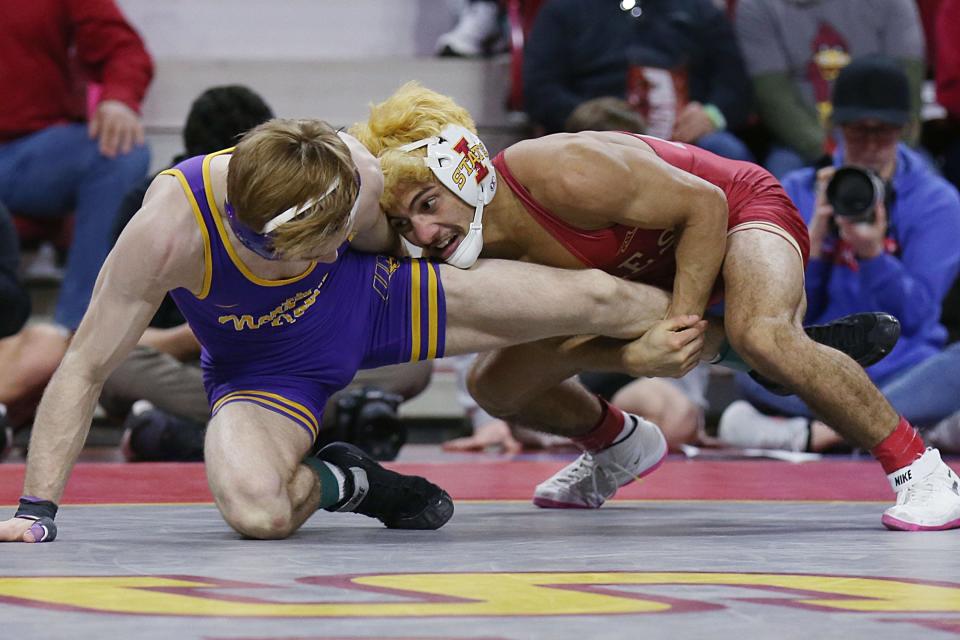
(14, 303)
(216, 120)
(480, 31)
(929, 14)
(794, 50)
(14, 300)
(51, 160)
(605, 114)
(899, 255)
(947, 73)
(676, 63)
(162, 368)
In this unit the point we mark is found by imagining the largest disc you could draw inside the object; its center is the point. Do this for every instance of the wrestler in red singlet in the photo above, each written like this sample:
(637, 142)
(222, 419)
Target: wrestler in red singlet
(754, 197)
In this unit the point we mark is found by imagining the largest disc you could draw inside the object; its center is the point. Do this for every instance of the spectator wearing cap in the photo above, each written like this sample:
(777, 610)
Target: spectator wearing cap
(884, 231)
(794, 50)
(55, 157)
(676, 62)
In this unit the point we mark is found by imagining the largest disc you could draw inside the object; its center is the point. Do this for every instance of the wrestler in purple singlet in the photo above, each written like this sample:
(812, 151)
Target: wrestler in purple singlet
(287, 345)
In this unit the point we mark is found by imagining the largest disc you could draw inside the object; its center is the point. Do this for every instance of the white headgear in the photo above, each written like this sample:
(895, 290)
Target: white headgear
(460, 161)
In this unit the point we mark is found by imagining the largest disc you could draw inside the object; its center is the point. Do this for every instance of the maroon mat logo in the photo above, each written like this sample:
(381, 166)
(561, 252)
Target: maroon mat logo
(416, 595)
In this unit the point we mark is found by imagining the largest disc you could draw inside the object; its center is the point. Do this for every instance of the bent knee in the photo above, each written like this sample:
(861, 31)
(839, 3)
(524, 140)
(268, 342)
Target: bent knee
(254, 509)
(764, 340)
(259, 523)
(486, 388)
(265, 519)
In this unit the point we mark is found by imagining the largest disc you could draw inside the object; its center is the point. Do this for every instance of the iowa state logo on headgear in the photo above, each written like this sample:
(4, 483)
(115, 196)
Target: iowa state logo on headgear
(461, 162)
(472, 162)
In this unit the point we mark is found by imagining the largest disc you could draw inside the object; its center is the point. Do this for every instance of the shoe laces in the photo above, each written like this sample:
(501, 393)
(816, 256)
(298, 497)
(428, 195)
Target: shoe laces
(920, 494)
(582, 468)
(923, 493)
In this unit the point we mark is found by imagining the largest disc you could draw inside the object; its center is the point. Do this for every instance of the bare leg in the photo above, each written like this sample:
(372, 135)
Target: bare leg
(29, 358)
(253, 467)
(763, 277)
(499, 303)
(531, 385)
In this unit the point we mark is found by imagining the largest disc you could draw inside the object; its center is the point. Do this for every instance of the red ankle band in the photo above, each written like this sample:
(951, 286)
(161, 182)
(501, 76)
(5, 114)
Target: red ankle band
(899, 449)
(605, 431)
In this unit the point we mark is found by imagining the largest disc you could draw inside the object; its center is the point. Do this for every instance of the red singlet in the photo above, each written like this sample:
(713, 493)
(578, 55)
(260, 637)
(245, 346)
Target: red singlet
(754, 197)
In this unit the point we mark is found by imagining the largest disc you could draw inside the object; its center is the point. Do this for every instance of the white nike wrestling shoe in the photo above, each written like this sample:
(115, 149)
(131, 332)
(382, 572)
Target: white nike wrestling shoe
(593, 478)
(928, 496)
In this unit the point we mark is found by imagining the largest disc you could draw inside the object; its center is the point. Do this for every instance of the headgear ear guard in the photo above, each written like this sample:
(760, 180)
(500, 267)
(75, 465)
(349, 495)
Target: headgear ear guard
(460, 161)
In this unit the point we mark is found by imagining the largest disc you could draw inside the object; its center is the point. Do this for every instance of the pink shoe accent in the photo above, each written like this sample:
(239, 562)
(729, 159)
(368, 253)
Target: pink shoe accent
(895, 524)
(546, 503)
(653, 468)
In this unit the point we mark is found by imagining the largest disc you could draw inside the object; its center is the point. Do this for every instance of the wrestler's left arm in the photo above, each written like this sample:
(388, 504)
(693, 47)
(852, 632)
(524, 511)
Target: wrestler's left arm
(593, 183)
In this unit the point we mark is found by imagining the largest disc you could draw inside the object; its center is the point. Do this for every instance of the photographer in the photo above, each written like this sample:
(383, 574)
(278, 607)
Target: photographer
(884, 236)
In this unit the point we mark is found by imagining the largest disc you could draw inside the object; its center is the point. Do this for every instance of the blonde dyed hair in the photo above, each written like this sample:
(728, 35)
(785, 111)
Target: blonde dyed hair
(284, 163)
(412, 113)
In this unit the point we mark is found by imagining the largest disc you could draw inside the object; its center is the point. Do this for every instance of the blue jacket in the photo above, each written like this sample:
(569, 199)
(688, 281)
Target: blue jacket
(912, 282)
(581, 49)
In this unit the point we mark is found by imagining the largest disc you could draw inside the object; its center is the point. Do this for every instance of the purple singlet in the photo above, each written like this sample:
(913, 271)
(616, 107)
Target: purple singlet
(287, 345)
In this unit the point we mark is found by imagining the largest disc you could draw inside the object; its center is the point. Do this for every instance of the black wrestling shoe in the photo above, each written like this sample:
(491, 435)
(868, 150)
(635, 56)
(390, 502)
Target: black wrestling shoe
(866, 337)
(396, 500)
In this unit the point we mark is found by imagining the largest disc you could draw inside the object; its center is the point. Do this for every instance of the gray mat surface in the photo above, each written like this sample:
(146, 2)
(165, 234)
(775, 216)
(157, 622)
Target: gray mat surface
(498, 570)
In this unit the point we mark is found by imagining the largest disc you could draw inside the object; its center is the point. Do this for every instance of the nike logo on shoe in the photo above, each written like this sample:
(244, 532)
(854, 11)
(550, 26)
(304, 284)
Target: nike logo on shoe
(902, 478)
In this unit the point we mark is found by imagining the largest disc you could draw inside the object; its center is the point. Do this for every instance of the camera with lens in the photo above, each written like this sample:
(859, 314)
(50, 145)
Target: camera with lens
(368, 418)
(854, 193)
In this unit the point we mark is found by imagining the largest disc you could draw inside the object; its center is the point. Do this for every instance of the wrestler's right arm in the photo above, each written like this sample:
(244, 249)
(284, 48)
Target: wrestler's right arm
(151, 256)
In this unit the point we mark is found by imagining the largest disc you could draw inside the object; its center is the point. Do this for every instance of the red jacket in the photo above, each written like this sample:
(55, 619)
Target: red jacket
(948, 56)
(43, 45)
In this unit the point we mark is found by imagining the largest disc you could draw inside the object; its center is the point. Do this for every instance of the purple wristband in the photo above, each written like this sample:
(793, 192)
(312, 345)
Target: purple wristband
(43, 530)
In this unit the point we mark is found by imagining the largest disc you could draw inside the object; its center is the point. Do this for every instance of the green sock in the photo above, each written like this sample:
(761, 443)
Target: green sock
(332, 481)
(727, 357)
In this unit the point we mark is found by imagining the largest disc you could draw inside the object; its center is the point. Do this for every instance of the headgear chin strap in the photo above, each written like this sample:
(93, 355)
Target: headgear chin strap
(460, 161)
